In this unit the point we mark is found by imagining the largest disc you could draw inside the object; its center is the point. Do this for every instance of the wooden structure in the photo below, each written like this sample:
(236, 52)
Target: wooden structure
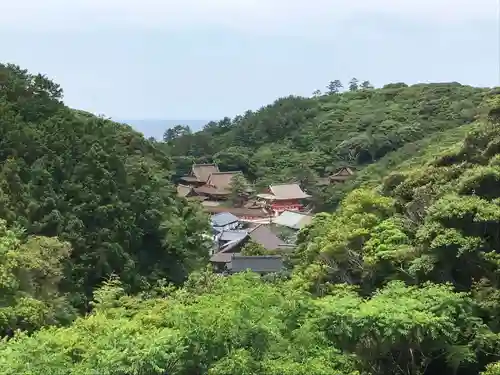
(280, 198)
(212, 193)
(341, 175)
(199, 175)
(185, 191)
(206, 180)
(223, 180)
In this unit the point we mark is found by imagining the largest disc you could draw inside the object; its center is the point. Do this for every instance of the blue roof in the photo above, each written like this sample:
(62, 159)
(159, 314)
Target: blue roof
(223, 218)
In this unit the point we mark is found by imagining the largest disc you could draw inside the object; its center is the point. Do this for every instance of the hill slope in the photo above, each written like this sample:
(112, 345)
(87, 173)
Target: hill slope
(97, 184)
(436, 221)
(302, 139)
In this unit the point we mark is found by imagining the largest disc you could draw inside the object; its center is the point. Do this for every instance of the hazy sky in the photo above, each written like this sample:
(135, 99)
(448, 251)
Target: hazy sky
(204, 59)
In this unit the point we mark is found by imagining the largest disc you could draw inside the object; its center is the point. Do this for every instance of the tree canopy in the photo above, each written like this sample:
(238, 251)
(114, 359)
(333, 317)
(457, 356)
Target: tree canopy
(93, 183)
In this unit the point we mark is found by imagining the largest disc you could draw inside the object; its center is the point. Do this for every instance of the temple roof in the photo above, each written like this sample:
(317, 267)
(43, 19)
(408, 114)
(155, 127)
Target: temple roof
(210, 190)
(203, 171)
(183, 190)
(288, 191)
(222, 180)
(342, 174)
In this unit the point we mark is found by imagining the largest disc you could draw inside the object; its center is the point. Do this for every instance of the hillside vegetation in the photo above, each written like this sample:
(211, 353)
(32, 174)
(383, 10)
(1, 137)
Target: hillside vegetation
(402, 279)
(301, 139)
(94, 193)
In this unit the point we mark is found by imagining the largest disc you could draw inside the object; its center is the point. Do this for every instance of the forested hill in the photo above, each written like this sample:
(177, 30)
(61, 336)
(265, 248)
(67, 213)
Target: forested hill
(99, 186)
(402, 279)
(303, 139)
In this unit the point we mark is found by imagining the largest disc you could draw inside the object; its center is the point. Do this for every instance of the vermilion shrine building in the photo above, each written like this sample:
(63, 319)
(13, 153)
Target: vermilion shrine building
(280, 198)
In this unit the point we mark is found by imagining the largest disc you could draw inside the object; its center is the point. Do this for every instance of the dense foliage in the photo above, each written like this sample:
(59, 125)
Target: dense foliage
(93, 183)
(402, 279)
(438, 223)
(301, 139)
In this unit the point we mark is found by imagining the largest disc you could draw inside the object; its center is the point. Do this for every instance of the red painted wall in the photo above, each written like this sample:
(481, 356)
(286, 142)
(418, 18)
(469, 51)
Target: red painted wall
(288, 205)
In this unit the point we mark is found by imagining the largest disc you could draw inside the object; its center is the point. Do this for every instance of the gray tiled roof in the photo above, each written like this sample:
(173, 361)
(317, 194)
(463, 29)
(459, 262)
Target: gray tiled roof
(233, 235)
(235, 262)
(223, 218)
(233, 246)
(265, 237)
(260, 264)
(221, 257)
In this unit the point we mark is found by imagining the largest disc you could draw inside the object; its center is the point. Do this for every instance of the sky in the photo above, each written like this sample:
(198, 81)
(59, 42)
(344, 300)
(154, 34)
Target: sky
(206, 59)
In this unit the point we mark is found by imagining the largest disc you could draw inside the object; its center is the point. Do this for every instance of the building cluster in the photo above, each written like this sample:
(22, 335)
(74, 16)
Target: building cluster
(280, 205)
(212, 187)
(231, 235)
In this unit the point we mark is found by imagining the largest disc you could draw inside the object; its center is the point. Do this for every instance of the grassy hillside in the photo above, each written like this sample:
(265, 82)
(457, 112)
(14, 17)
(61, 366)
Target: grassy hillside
(303, 139)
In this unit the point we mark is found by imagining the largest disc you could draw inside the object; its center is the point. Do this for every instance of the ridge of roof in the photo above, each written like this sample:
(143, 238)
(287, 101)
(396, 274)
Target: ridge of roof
(298, 213)
(252, 229)
(211, 190)
(228, 172)
(203, 171)
(238, 256)
(225, 213)
(340, 170)
(290, 184)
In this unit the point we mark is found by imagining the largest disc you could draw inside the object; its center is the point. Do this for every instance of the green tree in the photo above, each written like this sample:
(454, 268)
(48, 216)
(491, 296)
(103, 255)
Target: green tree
(96, 184)
(31, 269)
(353, 84)
(366, 85)
(236, 159)
(334, 87)
(253, 248)
(239, 190)
(176, 132)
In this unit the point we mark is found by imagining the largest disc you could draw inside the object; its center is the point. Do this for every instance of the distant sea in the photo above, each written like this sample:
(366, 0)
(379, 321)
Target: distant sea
(156, 128)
